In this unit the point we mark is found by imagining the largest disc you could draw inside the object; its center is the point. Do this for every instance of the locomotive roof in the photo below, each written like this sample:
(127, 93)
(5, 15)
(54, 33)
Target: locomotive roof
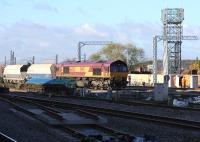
(90, 63)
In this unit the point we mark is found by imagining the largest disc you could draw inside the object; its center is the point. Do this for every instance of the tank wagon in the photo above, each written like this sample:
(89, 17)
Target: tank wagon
(97, 75)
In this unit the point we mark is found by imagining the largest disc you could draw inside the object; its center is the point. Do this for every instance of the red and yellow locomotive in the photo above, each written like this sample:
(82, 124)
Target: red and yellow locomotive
(101, 74)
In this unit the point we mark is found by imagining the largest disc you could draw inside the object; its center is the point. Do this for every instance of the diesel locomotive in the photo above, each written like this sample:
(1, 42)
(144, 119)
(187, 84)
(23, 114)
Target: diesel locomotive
(96, 75)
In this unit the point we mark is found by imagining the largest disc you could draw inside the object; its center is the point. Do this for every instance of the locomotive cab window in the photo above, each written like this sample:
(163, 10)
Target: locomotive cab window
(123, 69)
(118, 67)
(96, 71)
(65, 70)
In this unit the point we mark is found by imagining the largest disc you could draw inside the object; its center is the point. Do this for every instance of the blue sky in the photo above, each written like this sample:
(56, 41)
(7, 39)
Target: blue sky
(44, 28)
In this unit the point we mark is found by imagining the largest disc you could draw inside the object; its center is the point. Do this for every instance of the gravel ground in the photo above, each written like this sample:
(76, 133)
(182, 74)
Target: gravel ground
(25, 129)
(169, 112)
(159, 132)
(140, 128)
(182, 114)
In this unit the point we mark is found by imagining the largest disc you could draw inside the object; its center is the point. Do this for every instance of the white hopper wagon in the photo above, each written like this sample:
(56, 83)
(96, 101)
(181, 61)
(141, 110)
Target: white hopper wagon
(41, 71)
(15, 74)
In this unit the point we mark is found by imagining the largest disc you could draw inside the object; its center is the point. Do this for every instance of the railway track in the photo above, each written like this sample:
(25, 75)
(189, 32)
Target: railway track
(195, 107)
(5, 138)
(183, 92)
(100, 132)
(151, 87)
(186, 124)
(134, 103)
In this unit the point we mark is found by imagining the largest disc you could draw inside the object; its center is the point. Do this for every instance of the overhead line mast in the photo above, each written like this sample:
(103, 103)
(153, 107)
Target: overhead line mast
(83, 43)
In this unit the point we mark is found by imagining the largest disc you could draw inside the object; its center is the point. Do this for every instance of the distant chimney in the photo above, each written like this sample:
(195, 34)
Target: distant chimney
(13, 58)
(5, 61)
(56, 58)
(33, 60)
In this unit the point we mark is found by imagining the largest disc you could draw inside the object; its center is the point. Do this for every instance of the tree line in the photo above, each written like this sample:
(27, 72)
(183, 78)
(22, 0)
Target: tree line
(129, 53)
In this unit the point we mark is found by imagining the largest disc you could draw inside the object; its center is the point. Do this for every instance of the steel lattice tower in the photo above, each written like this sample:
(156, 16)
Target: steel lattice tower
(172, 39)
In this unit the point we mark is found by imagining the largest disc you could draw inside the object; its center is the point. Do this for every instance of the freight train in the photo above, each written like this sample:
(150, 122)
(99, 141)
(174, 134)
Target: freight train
(96, 75)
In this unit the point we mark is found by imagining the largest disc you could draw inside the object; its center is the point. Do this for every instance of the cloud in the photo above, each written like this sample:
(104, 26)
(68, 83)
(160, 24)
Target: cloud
(87, 30)
(29, 39)
(45, 7)
(191, 30)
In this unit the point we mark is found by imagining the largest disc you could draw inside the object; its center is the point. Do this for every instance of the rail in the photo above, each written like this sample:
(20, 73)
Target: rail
(133, 103)
(54, 113)
(124, 114)
(5, 138)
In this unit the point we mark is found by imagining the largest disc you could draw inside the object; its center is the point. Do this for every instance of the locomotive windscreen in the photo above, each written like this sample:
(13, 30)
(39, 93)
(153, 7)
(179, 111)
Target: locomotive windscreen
(118, 66)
